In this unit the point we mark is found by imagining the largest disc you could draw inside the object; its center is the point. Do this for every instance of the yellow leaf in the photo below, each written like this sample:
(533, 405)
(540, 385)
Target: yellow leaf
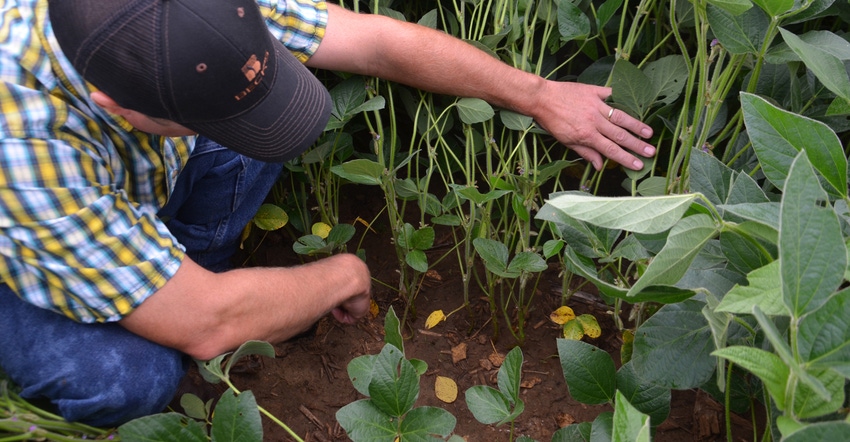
(321, 230)
(562, 315)
(573, 330)
(374, 309)
(436, 317)
(628, 346)
(246, 232)
(590, 325)
(446, 389)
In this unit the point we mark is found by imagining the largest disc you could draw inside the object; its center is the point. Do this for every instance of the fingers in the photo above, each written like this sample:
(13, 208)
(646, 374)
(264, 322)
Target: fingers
(618, 133)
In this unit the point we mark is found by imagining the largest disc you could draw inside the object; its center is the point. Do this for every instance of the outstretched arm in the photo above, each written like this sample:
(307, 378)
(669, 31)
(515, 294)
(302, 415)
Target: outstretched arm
(574, 113)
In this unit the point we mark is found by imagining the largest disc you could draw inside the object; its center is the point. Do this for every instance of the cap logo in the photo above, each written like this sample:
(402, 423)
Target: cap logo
(254, 71)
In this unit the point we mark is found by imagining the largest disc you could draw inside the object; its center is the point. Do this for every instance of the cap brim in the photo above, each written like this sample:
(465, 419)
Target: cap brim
(285, 123)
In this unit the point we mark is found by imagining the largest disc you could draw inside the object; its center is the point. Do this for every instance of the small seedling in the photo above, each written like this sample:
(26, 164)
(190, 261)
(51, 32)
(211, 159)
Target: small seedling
(391, 383)
(492, 406)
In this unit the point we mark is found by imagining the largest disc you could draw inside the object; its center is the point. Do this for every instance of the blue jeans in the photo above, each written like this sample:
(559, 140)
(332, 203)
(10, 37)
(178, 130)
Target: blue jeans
(101, 374)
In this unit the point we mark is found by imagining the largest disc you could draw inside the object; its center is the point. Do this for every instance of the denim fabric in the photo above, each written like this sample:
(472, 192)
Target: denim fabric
(101, 374)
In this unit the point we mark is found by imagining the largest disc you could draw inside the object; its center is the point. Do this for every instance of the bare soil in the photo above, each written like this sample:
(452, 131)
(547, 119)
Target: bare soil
(307, 382)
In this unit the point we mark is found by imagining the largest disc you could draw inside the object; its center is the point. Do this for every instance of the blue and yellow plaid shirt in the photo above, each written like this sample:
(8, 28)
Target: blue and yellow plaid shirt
(79, 188)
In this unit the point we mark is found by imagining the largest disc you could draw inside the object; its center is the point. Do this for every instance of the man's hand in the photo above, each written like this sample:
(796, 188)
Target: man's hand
(578, 117)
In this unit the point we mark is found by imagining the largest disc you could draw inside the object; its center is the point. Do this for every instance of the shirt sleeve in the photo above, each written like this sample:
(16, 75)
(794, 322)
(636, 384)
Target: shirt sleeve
(298, 24)
(79, 191)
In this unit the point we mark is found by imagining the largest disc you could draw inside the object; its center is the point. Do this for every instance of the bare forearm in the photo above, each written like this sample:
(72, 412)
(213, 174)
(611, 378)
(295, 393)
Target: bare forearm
(205, 314)
(423, 58)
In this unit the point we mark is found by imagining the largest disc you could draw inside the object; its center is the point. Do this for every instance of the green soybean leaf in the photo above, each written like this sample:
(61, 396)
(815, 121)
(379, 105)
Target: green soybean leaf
(163, 426)
(606, 11)
(825, 40)
(510, 374)
(422, 239)
(646, 398)
(495, 256)
(310, 245)
(778, 136)
(738, 33)
(632, 90)
(710, 177)
(588, 370)
(734, 7)
(423, 423)
(360, 372)
(672, 349)
(586, 268)
(769, 368)
(812, 255)
(766, 214)
(360, 171)
(635, 214)
(809, 403)
(487, 404)
(630, 425)
(392, 330)
(261, 348)
(601, 429)
(828, 68)
(686, 240)
(764, 288)
(820, 431)
(573, 24)
(472, 194)
(193, 406)
(270, 217)
(667, 76)
(515, 121)
(363, 421)
(345, 98)
(527, 262)
(395, 383)
(236, 418)
(417, 260)
(743, 254)
(474, 110)
(341, 234)
(775, 7)
(823, 339)
(573, 433)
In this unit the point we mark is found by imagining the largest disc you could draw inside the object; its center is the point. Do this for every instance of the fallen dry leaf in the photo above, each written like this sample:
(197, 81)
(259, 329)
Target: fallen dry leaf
(485, 364)
(374, 309)
(565, 420)
(458, 352)
(496, 359)
(530, 382)
(445, 389)
(433, 274)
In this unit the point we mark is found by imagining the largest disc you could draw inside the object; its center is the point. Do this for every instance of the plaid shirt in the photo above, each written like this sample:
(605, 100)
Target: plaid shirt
(79, 188)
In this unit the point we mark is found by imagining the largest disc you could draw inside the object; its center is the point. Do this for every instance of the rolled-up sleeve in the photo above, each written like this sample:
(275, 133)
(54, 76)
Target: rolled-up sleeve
(298, 24)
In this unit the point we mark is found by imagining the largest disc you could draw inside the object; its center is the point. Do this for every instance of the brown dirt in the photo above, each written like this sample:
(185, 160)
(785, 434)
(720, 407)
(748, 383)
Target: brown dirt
(307, 382)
